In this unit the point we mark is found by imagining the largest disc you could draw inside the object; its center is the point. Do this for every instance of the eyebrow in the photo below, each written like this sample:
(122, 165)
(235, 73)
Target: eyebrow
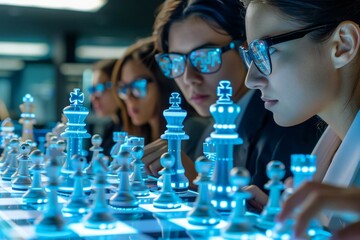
(204, 45)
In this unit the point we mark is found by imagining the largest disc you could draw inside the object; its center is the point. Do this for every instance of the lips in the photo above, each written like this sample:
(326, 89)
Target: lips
(198, 98)
(133, 111)
(268, 102)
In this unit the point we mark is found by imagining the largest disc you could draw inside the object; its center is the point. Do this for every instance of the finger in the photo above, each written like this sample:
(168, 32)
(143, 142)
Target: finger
(154, 168)
(257, 195)
(328, 197)
(348, 233)
(154, 156)
(297, 198)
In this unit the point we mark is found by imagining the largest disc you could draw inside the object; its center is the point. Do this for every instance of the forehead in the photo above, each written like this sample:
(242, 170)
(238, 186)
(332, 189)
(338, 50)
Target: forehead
(100, 77)
(192, 32)
(133, 69)
(263, 20)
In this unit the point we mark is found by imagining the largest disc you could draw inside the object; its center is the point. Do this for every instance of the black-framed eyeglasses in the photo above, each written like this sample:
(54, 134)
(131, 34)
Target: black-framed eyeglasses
(99, 88)
(137, 88)
(205, 60)
(259, 53)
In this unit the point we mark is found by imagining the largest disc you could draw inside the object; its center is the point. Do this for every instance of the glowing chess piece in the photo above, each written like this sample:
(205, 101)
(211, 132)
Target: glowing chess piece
(138, 186)
(96, 141)
(23, 180)
(74, 133)
(239, 225)
(12, 159)
(203, 212)
(167, 198)
(174, 135)
(224, 137)
(275, 170)
(36, 193)
(78, 203)
(27, 117)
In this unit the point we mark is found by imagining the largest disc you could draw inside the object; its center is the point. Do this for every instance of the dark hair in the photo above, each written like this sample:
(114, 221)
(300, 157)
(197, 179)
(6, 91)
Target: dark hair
(226, 14)
(317, 12)
(143, 51)
(106, 66)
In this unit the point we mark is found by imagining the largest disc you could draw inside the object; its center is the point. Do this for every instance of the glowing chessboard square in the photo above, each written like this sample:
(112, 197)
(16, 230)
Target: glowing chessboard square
(151, 208)
(120, 229)
(21, 214)
(183, 222)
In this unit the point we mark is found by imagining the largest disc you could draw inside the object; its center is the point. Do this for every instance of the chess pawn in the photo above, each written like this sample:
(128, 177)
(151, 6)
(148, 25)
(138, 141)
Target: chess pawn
(61, 146)
(12, 158)
(78, 202)
(203, 212)
(124, 197)
(239, 225)
(119, 139)
(52, 223)
(7, 133)
(138, 186)
(100, 216)
(27, 117)
(96, 141)
(275, 170)
(167, 198)
(36, 193)
(23, 180)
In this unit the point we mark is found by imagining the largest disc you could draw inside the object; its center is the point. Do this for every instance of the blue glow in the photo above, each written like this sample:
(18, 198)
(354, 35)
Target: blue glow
(311, 232)
(305, 169)
(42, 201)
(223, 204)
(221, 109)
(285, 237)
(230, 109)
(82, 210)
(76, 97)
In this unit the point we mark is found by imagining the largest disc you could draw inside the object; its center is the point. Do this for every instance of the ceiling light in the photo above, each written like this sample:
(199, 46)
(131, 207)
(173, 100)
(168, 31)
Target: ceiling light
(99, 52)
(74, 5)
(24, 49)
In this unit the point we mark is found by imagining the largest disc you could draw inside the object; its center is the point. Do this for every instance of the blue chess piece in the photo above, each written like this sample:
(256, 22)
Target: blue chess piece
(174, 135)
(27, 117)
(225, 112)
(75, 132)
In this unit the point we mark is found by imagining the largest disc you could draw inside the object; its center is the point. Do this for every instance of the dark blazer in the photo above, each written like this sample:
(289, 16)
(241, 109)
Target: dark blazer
(264, 140)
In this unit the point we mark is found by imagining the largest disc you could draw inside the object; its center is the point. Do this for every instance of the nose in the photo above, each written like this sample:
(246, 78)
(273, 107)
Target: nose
(254, 78)
(191, 75)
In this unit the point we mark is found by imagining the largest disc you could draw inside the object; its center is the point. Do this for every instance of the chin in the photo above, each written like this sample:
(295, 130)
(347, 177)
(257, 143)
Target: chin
(203, 112)
(287, 121)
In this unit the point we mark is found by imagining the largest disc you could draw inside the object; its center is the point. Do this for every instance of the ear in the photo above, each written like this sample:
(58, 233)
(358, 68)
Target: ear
(346, 43)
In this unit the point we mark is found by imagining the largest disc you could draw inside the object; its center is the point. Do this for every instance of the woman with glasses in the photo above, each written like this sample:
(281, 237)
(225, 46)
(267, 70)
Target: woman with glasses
(103, 101)
(304, 57)
(145, 91)
(199, 41)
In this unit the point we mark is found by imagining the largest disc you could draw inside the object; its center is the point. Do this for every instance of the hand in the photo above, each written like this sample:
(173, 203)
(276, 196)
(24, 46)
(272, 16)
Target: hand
(314, 197)
(259, 198)
(152, 154)
(348, 233)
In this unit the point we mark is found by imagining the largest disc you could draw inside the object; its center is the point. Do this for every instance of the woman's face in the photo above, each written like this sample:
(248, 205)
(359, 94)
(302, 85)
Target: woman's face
(200, 89)
(303, 81)
(103, 102)
(141, 110)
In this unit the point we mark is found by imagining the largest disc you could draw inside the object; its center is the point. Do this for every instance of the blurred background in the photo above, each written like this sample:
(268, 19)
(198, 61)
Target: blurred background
(47, 51)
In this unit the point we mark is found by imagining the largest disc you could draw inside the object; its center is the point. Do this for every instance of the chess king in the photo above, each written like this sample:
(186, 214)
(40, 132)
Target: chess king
(224, 112)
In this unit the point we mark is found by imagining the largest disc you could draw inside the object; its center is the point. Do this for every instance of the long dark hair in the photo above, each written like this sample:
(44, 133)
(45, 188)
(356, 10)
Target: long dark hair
(143, 51)
(226, 14)
(310, 12)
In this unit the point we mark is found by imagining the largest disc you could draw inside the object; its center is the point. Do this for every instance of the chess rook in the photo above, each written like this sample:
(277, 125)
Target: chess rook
(224, 137)
(174, 135)
(74, 133)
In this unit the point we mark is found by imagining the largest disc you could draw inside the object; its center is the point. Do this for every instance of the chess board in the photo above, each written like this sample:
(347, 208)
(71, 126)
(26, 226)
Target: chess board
(144, 222)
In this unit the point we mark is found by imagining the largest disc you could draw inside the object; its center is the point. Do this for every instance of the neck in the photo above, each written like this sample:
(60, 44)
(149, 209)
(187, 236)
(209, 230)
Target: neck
(340, 114)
